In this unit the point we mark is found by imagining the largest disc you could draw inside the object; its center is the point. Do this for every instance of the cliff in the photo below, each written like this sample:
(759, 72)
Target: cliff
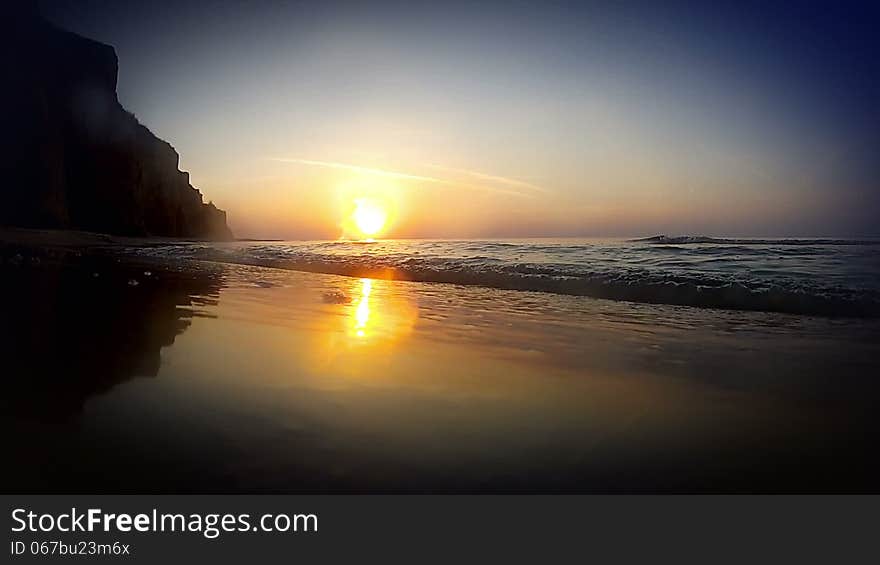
(71, 155)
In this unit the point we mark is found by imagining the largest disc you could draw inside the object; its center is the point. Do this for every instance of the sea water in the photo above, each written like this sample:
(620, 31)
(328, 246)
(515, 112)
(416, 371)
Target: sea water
(800, 276)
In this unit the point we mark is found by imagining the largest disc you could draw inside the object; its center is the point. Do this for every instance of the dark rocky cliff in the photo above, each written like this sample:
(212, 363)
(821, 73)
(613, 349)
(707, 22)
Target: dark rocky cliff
(71, 155)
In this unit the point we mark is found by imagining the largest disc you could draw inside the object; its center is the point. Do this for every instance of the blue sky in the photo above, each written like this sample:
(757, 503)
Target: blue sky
(510, 119)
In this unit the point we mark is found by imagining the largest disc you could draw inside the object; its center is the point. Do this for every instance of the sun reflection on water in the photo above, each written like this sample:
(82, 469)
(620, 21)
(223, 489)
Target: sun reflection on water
(355, 337)
(362, 313)
(378, 315)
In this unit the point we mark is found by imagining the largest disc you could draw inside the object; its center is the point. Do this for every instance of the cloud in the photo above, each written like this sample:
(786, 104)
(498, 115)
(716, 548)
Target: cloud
(491, 178)
(359, 169)
(407, 176)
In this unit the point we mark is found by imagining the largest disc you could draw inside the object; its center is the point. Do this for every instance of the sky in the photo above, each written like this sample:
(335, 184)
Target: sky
(513, 119)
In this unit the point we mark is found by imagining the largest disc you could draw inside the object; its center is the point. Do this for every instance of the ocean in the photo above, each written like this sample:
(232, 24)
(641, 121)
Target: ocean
(825, 277)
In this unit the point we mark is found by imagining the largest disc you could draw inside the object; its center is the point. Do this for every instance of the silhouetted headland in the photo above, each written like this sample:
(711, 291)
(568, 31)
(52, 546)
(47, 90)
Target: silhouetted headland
(72, 157)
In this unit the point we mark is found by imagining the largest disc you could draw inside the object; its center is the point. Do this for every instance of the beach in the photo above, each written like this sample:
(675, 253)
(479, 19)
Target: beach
(327, 280)
(136, 372)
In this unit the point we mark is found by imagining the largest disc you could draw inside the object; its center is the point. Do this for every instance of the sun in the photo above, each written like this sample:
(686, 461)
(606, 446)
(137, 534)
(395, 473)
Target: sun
(369, 217)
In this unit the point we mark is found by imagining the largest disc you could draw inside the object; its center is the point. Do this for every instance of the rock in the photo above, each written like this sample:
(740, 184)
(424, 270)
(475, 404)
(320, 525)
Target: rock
(71, 156)
(336, 297)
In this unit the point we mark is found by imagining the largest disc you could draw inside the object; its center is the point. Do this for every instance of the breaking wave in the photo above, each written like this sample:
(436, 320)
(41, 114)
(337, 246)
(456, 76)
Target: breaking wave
(810, 277)
(694, 239)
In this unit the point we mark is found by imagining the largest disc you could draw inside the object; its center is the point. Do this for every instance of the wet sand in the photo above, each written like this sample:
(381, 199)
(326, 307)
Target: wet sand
(140, 376)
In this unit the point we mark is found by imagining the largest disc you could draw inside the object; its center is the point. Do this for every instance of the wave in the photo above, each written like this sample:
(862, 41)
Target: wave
(693, 239)
(712, 289)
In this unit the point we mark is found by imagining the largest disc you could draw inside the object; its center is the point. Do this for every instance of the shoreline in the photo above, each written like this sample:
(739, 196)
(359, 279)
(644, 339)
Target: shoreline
(711, 290)
(207, 376)
(77, 238)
